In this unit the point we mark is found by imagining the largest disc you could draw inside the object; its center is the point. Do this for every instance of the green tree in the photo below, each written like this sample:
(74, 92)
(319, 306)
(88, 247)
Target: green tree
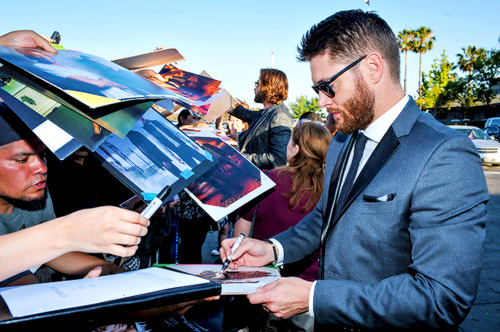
(406, 42)
(485, 75)
(434, 83)
(304, 104)
(457, 91)
(423, 42)
(469, 60)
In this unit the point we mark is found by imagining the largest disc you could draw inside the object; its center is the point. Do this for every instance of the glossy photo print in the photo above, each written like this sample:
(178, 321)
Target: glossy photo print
(230, 183)
(194, 87)
(245, 280)
(88, 133)
(55, 139)
(154, 154)
(90, 79)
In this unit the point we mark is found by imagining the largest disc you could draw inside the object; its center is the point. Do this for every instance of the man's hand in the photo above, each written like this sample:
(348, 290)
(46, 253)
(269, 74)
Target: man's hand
(284, 297)
(251, 252)
(104, 229)
(27, 38)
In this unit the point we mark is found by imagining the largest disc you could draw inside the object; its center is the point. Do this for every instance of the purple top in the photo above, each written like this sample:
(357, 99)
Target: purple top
(273, 217)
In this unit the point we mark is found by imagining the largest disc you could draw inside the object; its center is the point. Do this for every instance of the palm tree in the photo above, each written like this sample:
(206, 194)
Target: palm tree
(406, 42)
(423, 43)
(469, 59)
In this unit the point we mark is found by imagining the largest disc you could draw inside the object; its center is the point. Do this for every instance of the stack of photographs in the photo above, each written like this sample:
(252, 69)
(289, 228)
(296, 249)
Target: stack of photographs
(72, 99)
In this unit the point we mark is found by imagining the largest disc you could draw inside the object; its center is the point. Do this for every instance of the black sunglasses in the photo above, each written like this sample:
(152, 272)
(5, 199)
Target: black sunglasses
(324, 86)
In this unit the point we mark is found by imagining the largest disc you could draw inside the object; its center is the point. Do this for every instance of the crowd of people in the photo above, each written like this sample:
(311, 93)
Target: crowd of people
(360, 222)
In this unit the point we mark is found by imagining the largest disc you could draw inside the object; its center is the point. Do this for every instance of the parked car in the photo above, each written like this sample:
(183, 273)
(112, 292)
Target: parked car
(494, 132)
(489, 150)
(492, 122)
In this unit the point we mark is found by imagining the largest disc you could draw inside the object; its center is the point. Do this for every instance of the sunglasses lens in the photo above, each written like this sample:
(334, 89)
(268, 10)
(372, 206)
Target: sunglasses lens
(330, 92)
(325, 88)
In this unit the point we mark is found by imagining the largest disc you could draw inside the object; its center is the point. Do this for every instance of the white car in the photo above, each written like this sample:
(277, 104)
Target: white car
(489, 150)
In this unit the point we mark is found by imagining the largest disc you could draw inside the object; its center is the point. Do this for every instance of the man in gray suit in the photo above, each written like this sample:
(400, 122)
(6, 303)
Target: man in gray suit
(402, 242)
(265, 141)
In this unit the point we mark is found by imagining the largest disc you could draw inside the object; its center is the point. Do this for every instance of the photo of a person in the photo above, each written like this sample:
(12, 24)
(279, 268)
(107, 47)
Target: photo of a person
(230, 179)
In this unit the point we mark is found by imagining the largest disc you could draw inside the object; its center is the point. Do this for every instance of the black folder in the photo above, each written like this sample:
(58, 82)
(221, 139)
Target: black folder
(83, 318)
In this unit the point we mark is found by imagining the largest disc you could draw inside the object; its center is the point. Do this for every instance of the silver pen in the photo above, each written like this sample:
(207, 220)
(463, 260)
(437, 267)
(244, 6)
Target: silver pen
(235, 246)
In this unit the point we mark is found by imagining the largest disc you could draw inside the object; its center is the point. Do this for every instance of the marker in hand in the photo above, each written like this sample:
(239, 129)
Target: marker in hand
(235, 246)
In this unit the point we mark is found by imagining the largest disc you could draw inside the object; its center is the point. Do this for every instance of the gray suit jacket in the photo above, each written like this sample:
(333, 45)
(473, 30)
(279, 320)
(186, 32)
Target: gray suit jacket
(265, 141)
(413, 261)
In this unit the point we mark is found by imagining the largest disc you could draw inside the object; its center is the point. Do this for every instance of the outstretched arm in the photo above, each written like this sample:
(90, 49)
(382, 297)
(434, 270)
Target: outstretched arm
(100, 230)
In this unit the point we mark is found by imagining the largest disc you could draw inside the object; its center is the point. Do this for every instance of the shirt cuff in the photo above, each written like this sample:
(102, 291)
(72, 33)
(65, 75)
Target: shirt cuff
(281, 255)
(311, 299)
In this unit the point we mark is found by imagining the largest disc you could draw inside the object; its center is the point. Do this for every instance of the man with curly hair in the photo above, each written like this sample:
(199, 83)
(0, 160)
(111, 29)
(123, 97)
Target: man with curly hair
(265, 141)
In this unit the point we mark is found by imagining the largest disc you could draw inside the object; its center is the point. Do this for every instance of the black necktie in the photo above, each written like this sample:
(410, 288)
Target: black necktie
(359, 147)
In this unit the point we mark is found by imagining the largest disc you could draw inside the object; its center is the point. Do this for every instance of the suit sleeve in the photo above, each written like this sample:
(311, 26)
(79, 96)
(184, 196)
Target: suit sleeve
(278, 136)
(446, 225)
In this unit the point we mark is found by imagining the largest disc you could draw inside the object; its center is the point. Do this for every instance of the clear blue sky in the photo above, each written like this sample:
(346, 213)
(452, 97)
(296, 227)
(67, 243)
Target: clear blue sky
(233, 39)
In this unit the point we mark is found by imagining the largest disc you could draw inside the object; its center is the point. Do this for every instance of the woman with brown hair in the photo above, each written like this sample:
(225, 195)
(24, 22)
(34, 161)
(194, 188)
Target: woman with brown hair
(297, 191)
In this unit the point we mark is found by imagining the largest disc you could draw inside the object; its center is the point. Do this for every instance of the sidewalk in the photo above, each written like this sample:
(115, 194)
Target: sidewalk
(485, 313)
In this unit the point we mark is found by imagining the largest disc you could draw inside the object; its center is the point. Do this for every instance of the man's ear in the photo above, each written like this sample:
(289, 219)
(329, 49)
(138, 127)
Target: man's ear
(374, 67)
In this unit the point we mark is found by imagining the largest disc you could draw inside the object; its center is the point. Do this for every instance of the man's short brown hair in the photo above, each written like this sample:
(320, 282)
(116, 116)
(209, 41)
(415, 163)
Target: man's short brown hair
(348, 35)
(273, 85)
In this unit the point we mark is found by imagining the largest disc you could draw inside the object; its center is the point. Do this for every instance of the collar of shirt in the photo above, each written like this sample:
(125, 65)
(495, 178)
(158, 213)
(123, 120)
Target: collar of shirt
(377, 130)
(379, 127)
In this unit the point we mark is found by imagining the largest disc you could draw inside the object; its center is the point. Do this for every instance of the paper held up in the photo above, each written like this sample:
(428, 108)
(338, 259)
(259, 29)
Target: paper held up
(81, 81)
(153, 155)
(154, 58)
(233, 182)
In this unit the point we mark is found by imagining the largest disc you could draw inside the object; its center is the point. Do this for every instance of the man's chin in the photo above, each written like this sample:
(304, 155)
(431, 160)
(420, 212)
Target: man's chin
(27, 198)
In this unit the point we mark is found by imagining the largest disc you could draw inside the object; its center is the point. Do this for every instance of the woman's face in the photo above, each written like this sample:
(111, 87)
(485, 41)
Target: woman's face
(291, 150)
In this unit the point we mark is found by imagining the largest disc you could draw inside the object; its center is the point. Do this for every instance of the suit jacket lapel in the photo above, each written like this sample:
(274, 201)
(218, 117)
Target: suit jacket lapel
(338, 171)
(377, 160)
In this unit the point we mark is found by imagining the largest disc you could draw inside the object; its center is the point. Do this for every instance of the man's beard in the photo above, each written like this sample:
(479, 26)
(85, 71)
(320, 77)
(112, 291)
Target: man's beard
(259, 97)
(358, 111)
(25, 202)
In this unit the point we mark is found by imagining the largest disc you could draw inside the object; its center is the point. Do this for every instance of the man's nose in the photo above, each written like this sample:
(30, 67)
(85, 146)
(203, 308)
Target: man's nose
(40, 165)
(323, 100)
